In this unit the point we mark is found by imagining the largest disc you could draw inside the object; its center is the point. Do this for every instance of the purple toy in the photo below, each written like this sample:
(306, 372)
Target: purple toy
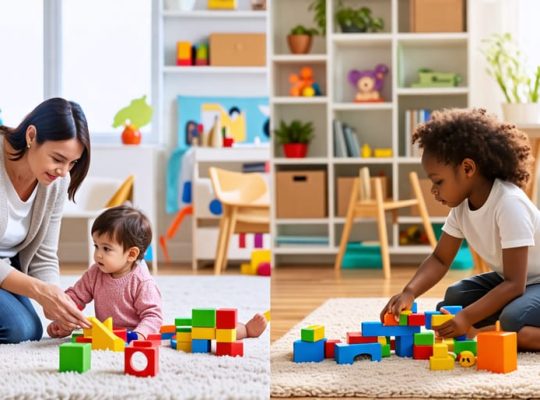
(369, 83)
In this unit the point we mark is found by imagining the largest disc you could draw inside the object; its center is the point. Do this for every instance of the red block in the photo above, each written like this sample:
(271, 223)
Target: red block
(416, 320)
(390, 320)
(329, 347)
(149, 351)
(392, 344)
(356, 338)
(155, 338)
(226, 318)
(82, 339)
(121, 333)
(230, 349)
(422, 352)
(264, 269)
(167, 329)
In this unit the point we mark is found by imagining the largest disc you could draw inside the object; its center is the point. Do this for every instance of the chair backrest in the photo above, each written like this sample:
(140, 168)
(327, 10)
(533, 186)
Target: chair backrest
(93, 195)
(240, 189)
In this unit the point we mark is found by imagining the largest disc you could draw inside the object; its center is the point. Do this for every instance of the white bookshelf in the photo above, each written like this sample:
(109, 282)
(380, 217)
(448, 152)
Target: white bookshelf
(379, 124)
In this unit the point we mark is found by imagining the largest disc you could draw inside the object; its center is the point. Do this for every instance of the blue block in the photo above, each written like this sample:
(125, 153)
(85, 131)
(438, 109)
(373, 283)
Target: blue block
(308, 351)
(377, 329)
(168, 335)
(428, 315)
(414, 307)
(404, 345)
(201, 346)
(173, 343)
(453, 309)
(346, 353)
(461, 338)
(131, 336)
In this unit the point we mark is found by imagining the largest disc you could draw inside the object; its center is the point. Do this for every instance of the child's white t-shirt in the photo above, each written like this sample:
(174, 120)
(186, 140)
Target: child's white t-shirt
(507, 219)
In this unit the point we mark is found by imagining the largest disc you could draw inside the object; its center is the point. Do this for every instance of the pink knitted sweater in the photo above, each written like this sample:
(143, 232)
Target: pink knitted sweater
(133, 301)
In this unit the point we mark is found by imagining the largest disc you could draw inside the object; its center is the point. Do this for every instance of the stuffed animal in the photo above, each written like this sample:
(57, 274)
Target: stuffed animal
(369, 83)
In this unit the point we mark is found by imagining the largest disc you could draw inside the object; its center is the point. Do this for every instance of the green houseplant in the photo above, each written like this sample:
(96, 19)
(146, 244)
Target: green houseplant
(357, 20)
(319, 8)
(295, 137)
(508, 66)
(300, 39)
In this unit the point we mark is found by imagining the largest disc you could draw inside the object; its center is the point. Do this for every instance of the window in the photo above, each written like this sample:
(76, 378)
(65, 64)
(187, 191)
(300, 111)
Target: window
(21, 68)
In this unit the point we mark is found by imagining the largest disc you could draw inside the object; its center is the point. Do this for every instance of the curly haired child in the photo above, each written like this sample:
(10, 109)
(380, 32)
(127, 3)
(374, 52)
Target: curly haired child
(478, 167)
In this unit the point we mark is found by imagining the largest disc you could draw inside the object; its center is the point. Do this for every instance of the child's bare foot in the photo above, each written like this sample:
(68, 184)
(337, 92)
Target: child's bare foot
(256, 325)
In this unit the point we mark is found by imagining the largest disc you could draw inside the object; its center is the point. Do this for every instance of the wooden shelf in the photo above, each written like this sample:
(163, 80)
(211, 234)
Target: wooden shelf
(206, 14)
(169, 69)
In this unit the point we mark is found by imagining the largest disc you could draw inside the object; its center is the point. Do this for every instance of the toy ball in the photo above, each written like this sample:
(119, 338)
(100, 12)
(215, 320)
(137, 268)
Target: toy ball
(264, 269)
(467, 359)
(308, 92)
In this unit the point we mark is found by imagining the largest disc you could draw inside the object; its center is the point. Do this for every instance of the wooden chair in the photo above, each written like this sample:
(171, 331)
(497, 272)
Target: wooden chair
(246, 208)
(363, 204)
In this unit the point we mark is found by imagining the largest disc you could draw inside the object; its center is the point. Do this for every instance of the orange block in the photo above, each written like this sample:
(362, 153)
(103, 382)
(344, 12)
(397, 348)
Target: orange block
(390, 320)
(497, 351)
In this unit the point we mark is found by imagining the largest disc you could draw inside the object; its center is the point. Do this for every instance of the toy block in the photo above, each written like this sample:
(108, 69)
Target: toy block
(460, 338)
(121, 333)
(182, 321)
(385, 350)
(465, 345)
(466, 359)
(226, 335)
(183, 336)
(414, 308)
(312, 333)
(416, 320)
(167, 329)
(453, 309)
(441, 364)
(108, 323)
(131, 336)
(308, 351)
(87, 332)
(203, 333)
(264, 269)
(438, 320)
(149, 351)
(450, 343)
(382, 340)
(497, 351)
(422, 352)
(75, 357)
(82, 339)
(404, 346)
(346, 353)
(232, 349)
(248, 269)
(155, 338)
(440, 350)
(428, 315)
(168, 335)
(201, 346)
(424, 339)
(174, 344)
(226, 318)
(201, 57)
(390, 320)
(377, 329)
(404, 317)
(182, 346)
(222, 4)
(267, 315)
(74, 337)
(103, 338)
(204, 317)
(384, 152)
(184, 53)
(356, 338)
(260, 256)
(329, 348)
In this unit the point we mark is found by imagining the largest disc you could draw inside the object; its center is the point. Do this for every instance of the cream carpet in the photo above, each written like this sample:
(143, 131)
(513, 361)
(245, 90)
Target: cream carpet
(30, 370)
(392, 377)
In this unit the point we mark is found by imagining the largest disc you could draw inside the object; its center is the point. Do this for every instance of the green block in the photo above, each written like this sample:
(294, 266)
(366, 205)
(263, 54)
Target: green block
(184, 329)
(424, 339)
(75, 357)
(403, 319)
(462, 345)
(182, 321)
(308, 334)
(74, 337)
(204, 317)
(386, 350)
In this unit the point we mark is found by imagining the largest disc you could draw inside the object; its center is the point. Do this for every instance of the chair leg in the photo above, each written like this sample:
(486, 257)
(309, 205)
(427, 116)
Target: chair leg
(220, 246)
(230, 231)
(347, 227)
(381, 223)
(413, 177)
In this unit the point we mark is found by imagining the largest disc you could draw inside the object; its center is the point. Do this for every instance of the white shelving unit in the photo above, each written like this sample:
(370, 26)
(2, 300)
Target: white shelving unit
(378, 124)
(170, 80)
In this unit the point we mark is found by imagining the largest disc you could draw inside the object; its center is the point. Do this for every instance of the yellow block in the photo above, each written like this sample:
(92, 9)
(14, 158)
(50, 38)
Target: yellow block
(267, 315)
(246, 269)
(439, 319)
(318, 332)
(222, 4)
(259, 256)
(183, 50)
(440, 350)
(108, 323)
(226, 335)
(382, 153)
(103, 338)
(381, 340)
(203, 333)
(450, 343)
(183, 337)
(184, 346)
(440, 364)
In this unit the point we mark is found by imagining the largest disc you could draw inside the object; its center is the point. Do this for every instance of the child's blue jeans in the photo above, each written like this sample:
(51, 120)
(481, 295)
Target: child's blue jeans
(18, 319)
(522, 311)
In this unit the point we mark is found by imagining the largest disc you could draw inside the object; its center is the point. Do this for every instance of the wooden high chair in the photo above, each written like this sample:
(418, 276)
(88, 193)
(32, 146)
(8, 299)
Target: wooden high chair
(363, 204)
(246, 208)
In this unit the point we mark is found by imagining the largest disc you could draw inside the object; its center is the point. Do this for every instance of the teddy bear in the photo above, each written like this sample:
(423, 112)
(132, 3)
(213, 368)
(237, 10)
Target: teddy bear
(369, 83)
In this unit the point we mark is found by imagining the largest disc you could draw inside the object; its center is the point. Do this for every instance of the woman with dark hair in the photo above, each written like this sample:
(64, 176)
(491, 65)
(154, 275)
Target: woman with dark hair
(42, 161)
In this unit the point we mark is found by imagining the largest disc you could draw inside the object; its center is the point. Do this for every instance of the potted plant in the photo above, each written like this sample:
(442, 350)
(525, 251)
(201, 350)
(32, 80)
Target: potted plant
(133, 117)
(354, 20)
(300, 39)
(520, 87)
(294, 137)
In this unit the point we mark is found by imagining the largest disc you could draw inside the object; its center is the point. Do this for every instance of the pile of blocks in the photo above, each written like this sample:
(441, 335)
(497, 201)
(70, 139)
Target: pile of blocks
(259, 263)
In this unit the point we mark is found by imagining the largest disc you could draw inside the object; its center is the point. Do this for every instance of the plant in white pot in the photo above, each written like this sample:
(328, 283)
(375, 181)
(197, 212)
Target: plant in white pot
(294, 137)
(520, 87)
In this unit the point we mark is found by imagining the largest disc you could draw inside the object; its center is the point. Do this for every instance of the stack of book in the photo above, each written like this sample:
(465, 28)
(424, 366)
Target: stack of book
(254, 167)
(413, 118)
(346, 143)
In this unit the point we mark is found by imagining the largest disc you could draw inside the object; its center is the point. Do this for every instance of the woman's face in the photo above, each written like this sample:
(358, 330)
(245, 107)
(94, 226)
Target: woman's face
(52, 159)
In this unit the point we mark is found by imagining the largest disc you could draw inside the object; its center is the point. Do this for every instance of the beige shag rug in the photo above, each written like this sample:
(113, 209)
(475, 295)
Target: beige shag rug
(392, 377)
(30, 370)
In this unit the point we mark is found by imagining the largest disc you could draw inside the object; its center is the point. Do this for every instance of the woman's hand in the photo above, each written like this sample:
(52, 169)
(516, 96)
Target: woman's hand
(59, 307)
(457, 326)
(398, 303)
(54, 330)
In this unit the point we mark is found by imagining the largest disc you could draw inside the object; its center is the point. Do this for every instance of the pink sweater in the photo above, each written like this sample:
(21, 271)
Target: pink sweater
(133, 301)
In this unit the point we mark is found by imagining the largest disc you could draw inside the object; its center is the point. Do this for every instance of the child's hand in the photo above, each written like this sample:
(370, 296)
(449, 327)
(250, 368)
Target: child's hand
(457, 326)
(54, 330)
(398, 303)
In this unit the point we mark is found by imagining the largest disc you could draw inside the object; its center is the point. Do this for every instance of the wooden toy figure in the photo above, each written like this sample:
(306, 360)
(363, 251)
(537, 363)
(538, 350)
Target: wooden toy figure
(369, 83)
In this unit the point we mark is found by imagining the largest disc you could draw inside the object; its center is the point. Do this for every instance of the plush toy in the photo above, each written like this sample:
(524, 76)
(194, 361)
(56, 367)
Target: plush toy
(369, 83)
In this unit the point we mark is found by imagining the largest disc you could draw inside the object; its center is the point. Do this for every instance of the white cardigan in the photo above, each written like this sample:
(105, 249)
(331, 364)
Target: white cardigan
(38, 252)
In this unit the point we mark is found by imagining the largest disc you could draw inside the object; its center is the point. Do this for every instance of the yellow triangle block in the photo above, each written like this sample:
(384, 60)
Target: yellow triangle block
(103, 338)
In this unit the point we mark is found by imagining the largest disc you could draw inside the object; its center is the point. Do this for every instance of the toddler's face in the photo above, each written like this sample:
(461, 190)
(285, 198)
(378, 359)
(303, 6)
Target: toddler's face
(110, 256)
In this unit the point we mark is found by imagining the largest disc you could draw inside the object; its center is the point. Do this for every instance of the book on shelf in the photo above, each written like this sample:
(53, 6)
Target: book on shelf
(340, 148)
(413, 118)
(254, 167)
(346, 143)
